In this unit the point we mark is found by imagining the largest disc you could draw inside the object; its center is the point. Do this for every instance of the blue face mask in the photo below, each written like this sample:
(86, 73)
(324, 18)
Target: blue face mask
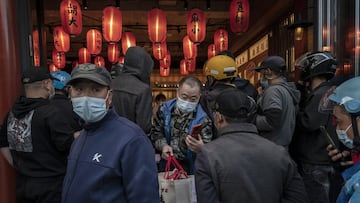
(185, 106)
(343, 138)
(90, 109)
(264, 83)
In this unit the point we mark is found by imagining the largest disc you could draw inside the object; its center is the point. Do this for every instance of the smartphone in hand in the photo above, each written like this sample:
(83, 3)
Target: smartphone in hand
(327, 136)
(195, 131)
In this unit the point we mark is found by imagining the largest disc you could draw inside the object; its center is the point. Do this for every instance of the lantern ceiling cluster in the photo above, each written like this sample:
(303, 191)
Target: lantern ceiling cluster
(112, 32)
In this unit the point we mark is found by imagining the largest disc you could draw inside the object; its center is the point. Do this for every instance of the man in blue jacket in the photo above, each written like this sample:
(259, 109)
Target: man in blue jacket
(174, 121)
(112, 160)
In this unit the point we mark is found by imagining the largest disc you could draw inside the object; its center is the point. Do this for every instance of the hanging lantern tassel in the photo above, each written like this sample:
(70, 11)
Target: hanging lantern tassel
(239, 15)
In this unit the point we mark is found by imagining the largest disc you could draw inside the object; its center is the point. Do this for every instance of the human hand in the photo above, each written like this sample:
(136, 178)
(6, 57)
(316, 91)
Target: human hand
(336, 155)
(76, 134)
(193, 143)
(166, 152)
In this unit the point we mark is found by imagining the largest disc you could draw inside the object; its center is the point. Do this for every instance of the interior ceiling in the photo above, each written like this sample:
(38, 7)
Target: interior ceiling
(134, 12)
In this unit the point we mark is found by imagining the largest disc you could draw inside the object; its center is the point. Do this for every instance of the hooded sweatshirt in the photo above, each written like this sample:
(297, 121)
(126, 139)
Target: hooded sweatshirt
(131, 89)
(38, 137)
(277, 117)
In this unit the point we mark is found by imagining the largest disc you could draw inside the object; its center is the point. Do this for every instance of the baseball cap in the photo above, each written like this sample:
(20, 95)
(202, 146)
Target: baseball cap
(91, 72)
(34, 74)
(234, 104)
(275, 63)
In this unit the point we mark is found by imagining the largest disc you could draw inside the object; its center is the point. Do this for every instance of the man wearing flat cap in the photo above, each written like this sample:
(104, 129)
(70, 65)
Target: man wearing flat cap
(278, 103)
(112, 157)
(240, 165)
(35, 139)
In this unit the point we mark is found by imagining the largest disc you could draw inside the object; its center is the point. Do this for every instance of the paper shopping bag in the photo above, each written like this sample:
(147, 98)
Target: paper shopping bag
(166, 189)
(176, 186)
(185, 190)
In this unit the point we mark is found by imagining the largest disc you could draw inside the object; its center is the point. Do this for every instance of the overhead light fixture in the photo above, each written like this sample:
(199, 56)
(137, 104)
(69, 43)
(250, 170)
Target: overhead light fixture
(117, 3)
(185, 5)
(85, 4)
(208, 5)
(298, 26)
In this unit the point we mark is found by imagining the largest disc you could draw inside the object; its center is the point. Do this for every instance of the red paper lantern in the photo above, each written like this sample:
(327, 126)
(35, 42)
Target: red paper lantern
(128, 40)
(164, 71)
(61, 39)
(94, 41)
(159, 50)
(121, 59)
(53, 68)
(58, 58)
(113, 53)
(84, 56)
(196, 25)
(221, 40)
(211, 50)
(183, 68)
(71, 18)
(112, 24)
(99, 61)
(190, 64)
(75, 63)
(239, 16)
(35, 38)
(166, 61)
(189, 48)
(156, 25)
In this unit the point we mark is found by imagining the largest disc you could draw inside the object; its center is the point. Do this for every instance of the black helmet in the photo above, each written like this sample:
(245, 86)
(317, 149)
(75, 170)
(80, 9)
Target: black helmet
(315, 64)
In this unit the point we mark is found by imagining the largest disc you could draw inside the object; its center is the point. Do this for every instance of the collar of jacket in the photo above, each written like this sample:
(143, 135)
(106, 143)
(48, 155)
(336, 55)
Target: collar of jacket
(238, 128)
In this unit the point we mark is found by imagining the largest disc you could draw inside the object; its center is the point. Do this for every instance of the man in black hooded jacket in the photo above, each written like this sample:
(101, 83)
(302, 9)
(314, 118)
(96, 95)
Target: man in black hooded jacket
(132, 97)
(35, 139)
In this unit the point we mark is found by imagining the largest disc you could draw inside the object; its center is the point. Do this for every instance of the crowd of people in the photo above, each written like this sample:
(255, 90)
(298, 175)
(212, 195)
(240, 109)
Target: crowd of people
(92, 136)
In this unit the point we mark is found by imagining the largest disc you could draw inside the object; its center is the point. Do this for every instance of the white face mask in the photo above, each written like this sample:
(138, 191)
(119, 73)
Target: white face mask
(343, 138)
(185, 106)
